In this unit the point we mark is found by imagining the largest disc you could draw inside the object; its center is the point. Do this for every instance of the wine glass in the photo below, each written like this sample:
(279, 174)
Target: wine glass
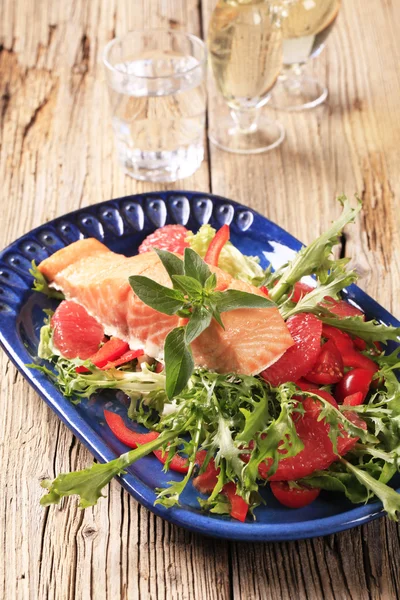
(306, 26)
(245, 49)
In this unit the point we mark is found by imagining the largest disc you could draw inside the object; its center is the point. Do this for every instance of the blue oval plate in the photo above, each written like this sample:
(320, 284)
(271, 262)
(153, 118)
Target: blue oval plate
(122, 224)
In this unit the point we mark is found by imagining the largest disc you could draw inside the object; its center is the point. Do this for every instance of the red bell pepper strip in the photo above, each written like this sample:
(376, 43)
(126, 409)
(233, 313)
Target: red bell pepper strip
(239, 507)
(359, 361)
(264, 290)
(350, 356)
(133, 439)
(111, 350)
(127, 436)
(216, 245)
(125, 358)
(179, 463)
(206, 482)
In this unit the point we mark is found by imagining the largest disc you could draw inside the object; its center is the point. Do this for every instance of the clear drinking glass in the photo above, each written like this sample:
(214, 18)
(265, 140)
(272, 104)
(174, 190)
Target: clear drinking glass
(158, 102)
(305, 29)
(245, 49)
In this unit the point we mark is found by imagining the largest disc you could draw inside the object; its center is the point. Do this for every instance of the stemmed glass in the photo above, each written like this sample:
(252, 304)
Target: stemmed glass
(245, 49)
(306, 26)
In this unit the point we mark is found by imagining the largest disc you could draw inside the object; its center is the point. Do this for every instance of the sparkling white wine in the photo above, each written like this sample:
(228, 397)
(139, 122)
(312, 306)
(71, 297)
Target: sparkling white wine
(306, 27)
(245, 46)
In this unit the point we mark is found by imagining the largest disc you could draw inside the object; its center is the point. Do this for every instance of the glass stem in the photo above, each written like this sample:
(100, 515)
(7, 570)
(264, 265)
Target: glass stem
(246, 120)
(291, 77)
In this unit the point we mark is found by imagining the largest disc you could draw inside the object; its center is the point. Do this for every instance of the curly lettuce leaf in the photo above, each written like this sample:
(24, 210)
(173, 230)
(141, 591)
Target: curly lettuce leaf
(317, 257)
(40, 284)
(240, 266)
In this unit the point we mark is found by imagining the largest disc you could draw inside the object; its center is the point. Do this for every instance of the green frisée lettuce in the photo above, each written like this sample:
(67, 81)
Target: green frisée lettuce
(317, 257)
(231, 260)
(41, 285)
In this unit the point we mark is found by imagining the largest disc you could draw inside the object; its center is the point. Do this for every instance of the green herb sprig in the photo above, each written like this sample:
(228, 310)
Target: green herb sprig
(193, 296)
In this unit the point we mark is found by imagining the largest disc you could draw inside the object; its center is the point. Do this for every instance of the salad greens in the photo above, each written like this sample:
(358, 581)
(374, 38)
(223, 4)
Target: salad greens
(231, 260)
(242, 423)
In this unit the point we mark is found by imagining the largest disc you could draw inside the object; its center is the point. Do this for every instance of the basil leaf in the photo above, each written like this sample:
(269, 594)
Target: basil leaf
(195, 266)
(163, 299)
(187, 284)
(233, 299)
(172, 264)
(199, 321)
(210, 283)
(179, 363)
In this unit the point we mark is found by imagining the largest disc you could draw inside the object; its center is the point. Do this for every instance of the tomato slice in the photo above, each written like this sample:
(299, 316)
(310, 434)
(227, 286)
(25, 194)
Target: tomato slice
(317, 453)
(239, 507)
(170, 237)
(354, 399)
(76, 334)
(328, 367)
(341, 308)
(356, 380)
(306, 331)
(127, 436)
(293, 497)
(125, 358)
(111, 351)
(216, 245)
(300, 290)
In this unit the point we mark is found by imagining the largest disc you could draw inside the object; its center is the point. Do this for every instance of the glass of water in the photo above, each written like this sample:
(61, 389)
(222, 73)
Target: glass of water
(156, 83)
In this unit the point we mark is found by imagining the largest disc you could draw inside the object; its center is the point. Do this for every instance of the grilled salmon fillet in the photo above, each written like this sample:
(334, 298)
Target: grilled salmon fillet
(97, 278)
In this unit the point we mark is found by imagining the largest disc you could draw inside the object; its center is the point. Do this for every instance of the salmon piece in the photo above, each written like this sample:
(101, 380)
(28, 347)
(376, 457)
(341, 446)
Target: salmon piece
(251, 338)
(97, 278)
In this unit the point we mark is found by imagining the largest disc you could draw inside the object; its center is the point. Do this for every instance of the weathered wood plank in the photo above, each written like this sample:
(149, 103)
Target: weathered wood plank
(56, 155)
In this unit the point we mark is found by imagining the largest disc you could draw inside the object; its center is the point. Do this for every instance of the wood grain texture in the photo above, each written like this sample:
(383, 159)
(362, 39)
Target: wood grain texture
(57, 154)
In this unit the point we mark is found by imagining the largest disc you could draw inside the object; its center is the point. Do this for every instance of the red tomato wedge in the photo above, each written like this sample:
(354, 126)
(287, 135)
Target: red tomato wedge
(75, 333)
(300, 290)
(317, 453)
(356, 380)
(299, 359)
(293, 497)
(239, 507)
(111, 351)
(127, 436)
(216, 245)
(328, 368)
(125, 358)
(170, 237)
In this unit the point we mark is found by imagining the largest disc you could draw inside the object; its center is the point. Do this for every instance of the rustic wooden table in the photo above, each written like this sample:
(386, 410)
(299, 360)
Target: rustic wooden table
(57, 155)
